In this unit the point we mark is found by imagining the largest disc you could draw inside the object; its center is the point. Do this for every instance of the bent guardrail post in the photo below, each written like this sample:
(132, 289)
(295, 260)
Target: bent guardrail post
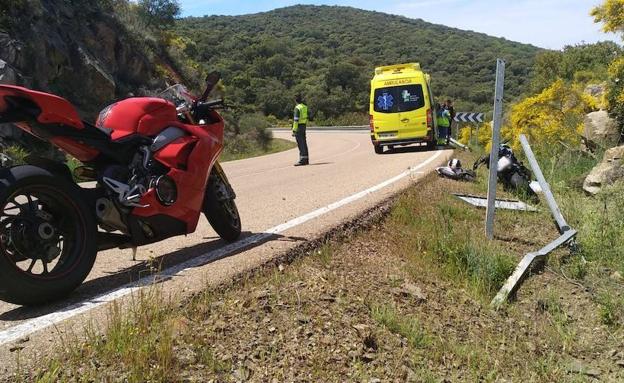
(566, 232)
(511, 285)
(562, 225)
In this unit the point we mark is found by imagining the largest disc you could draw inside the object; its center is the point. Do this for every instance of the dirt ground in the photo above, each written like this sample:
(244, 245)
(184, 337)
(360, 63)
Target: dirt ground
(374, 307)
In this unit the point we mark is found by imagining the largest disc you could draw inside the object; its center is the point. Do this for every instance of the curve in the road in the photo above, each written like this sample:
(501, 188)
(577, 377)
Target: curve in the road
(32, 325)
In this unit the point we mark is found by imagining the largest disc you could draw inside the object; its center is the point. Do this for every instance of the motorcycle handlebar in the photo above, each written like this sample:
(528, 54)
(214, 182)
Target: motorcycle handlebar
(213, 103)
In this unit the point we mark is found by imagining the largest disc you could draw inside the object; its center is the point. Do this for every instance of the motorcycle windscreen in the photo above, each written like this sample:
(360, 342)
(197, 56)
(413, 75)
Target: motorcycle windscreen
(18, 104)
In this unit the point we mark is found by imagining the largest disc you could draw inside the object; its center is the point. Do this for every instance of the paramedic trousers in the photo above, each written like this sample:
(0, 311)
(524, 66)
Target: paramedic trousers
(302, 143)
(444, 133)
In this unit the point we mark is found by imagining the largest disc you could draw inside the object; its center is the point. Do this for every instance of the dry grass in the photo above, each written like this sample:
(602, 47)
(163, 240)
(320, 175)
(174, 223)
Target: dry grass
(406, 300)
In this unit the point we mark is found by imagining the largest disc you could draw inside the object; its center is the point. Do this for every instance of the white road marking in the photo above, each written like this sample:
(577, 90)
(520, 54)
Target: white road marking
(32, 325)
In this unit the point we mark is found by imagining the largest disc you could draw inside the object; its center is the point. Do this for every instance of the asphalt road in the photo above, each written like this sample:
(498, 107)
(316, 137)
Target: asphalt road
(291, 204)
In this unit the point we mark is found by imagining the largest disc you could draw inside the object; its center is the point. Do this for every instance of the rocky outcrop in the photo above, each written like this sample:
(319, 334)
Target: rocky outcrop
(600, 129)
(80, 52)
(610, 170)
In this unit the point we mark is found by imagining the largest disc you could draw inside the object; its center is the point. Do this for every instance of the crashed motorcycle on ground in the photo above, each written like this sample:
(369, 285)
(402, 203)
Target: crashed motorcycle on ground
(150, 170)
(510, 172)
(454, 171)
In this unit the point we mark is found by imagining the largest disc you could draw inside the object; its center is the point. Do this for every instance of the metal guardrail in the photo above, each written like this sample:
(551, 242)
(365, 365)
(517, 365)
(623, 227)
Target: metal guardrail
(567, 234)
(458, 144)
(511, 285)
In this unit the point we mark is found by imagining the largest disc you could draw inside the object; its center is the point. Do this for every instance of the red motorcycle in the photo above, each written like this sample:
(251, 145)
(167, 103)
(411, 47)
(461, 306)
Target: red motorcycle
(153, 169)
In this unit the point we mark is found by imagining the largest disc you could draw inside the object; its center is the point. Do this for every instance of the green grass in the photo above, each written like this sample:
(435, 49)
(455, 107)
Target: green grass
(611, 309)
(400, 324)
(136, 346)
(17, 154)
(239, 150)
(599, 219)
(450, 235)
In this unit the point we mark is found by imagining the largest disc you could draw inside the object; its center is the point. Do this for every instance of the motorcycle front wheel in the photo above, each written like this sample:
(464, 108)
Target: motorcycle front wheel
(47, 236)
(220, 207)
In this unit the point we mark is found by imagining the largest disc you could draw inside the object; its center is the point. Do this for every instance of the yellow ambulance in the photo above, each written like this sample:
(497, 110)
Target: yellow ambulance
(401, 107)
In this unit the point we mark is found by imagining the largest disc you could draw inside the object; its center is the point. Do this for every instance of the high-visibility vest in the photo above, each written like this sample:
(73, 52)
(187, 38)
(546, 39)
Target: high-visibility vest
(302, 117)
(443, 119)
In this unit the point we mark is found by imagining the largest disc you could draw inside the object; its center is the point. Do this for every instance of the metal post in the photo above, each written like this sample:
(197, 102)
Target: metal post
(550, 199)
(512, 283)
(498, 116)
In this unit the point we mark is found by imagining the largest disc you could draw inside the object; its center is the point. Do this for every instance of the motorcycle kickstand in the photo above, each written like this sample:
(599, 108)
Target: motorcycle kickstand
(134, 253)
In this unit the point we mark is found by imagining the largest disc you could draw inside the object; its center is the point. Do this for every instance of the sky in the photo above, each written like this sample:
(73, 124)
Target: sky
(550, 24)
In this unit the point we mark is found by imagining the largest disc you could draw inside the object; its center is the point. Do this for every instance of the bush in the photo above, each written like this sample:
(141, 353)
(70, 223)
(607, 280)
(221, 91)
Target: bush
(247, 131)
(548, 119)
(615, 94)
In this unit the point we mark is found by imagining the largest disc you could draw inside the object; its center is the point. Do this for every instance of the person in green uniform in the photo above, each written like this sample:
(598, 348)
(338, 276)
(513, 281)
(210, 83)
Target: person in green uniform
(443, 117)
(299, 130)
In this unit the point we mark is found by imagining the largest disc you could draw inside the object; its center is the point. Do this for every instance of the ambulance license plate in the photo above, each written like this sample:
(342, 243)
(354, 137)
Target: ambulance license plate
(388, 135)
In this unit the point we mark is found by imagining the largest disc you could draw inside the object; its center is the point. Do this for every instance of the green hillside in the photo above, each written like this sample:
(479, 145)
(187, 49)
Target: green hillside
(328, 54)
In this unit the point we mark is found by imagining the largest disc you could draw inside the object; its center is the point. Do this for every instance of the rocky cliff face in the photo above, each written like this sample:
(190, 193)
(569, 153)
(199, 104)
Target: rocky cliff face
(76, 49)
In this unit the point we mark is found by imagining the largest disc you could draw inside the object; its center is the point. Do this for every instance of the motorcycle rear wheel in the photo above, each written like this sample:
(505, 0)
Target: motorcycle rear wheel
(521, 185)
(220, 209)
(47, 236)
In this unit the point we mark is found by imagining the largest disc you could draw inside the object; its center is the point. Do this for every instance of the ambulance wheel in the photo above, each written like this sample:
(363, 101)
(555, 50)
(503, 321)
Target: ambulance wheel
(378, 149)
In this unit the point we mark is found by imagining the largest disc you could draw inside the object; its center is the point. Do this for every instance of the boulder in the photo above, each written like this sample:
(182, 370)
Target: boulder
(601, 129)
(610, 170)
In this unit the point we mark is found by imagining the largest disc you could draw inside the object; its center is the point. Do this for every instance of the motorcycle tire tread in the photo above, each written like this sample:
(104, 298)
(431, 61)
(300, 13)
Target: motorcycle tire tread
(15, 286)
(218, 216)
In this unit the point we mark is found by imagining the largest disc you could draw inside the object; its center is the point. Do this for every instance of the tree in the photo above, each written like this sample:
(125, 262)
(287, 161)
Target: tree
(611, 14)
(159, 13)
(344, 75)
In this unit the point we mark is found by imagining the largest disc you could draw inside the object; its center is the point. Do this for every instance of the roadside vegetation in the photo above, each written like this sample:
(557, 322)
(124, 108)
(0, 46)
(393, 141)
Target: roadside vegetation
(404, 298)
(328, 53)
(249, 135)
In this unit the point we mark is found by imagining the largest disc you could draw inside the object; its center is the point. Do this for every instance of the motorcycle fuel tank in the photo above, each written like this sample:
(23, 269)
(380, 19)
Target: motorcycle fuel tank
(147, 116)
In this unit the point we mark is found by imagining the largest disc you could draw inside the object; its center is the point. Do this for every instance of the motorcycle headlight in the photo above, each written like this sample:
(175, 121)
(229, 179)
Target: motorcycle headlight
(166, 190)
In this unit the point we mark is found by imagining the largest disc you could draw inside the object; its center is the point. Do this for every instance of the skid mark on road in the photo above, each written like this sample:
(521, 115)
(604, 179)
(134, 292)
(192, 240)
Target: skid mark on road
(32, 325)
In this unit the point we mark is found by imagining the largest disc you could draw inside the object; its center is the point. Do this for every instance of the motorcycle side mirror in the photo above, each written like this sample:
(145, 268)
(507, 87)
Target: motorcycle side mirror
(211, 81)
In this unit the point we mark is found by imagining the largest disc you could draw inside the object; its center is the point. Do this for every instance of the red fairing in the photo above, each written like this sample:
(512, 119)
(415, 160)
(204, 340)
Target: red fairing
(54, 109)
(147, 116)
(176, 154)
(191, 159)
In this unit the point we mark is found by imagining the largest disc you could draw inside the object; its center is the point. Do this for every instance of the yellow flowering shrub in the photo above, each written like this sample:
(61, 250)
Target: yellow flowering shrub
(548, 119)
(553, 116)
(484, 134)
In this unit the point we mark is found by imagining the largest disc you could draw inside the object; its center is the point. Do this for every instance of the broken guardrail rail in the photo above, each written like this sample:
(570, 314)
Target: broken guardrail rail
(458, 144)
(567, 234)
